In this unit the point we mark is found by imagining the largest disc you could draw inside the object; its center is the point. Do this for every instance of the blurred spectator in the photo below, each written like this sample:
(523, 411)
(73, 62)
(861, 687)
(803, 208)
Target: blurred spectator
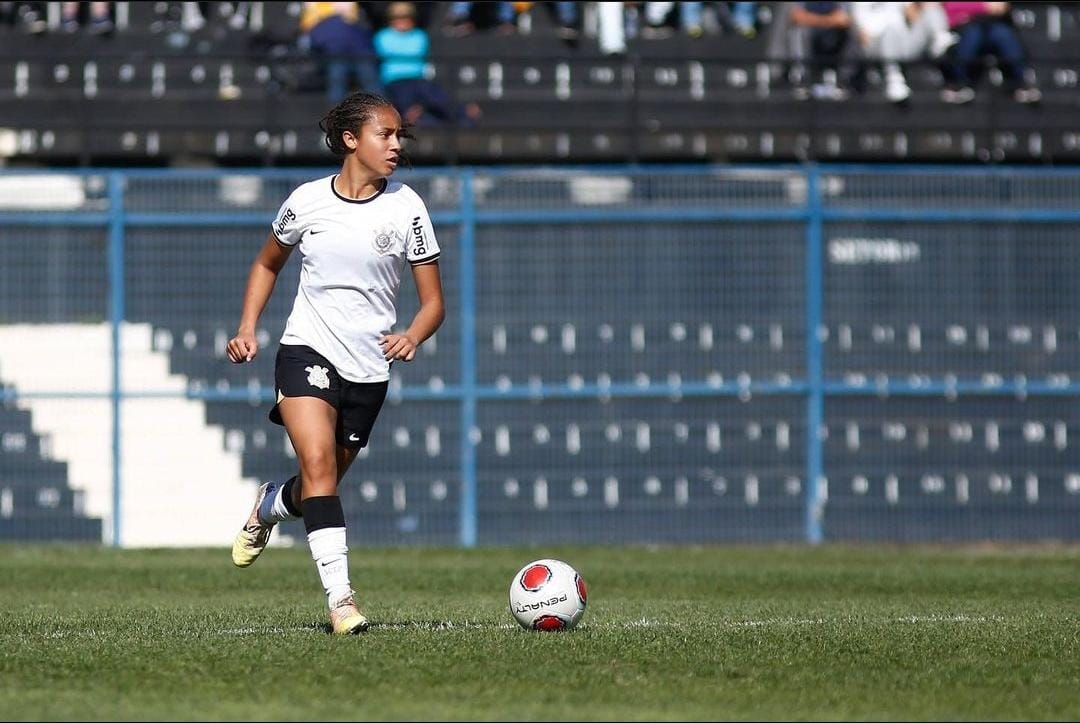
(566, 16)
(427, 12)
(402, 47)
(814, 34)
(191, 17)
(898, 32)
(459, 20)
(100, 20)
(238, 15)
(656, 14)
(178, 17)
(738, 16)
(342, 43)
(460, 17)
(986, 28)
(611, 19)
(28, 17)
(744, 18)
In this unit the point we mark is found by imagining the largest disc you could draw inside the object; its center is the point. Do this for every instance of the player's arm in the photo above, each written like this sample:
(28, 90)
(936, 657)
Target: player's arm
(261, 279)
(431, 314)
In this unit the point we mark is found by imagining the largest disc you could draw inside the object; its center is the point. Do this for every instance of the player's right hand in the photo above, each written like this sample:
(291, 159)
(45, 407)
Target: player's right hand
(242, 348)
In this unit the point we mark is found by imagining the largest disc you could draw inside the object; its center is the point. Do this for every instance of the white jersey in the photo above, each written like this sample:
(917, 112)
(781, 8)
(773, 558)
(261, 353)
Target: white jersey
(354, 253)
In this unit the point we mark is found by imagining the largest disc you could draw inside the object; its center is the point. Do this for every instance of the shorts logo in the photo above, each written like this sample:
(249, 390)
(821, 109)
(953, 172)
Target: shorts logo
(386, 240)
(317, 377)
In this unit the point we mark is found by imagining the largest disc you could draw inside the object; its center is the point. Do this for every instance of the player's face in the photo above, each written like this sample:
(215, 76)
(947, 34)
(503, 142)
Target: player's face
(379, 144)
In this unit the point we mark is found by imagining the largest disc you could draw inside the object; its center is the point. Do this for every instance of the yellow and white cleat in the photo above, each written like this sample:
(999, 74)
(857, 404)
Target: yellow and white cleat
(346, 618)
(252, 538)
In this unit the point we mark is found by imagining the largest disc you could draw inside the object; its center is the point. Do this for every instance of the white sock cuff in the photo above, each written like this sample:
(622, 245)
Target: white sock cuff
(327, 541)
(273, 509)
(278, 508)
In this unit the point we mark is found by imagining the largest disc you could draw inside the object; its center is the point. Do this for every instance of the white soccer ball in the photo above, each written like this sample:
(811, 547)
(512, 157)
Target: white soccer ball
(547, 595)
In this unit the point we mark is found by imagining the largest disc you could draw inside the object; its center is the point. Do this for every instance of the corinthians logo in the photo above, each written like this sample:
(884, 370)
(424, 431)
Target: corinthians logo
(386, 240)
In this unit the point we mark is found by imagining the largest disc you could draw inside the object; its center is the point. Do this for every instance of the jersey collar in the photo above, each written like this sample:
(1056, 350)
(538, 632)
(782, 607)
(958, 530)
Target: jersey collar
(369, 199)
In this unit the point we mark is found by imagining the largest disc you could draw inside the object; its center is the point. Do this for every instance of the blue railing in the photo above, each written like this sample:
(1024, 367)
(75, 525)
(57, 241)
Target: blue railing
(819, 207)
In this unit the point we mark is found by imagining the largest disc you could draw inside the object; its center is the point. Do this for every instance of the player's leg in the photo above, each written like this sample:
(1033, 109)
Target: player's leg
(286, 503)
(345, 457)
(277, 502)
(294, 376)
(312, 424)
(358, 408)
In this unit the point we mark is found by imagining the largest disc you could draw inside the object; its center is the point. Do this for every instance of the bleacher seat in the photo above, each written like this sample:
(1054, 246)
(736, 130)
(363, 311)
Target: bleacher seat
(36, 500)
(918, 470)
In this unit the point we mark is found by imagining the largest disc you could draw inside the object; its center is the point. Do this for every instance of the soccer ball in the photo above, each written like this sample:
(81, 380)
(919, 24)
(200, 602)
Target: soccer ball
(547, 595)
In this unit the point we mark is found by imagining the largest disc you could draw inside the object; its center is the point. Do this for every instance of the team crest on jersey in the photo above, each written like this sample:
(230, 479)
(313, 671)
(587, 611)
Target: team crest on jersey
(317, 377)
(386, 239)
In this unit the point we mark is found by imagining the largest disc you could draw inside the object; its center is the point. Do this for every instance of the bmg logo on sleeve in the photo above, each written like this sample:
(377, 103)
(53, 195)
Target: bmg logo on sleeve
(419, 242)
(285, 220)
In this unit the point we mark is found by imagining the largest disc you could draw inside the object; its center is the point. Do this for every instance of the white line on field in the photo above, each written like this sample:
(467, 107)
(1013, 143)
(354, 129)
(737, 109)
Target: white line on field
(440, 625)
(444, 625)
(906, 619)
(432, 625)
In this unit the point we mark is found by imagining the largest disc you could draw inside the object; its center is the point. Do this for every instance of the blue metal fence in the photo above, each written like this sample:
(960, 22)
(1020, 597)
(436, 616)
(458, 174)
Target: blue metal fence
(817, 259)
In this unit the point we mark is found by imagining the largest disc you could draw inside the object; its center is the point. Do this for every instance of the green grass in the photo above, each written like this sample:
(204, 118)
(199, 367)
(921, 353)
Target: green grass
(785, 633)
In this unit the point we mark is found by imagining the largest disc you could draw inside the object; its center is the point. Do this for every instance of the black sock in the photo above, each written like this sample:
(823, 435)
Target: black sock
(286, 497)
(322, 512)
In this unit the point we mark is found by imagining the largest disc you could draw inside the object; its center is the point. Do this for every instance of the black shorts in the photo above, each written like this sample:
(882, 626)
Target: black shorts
(300, 371)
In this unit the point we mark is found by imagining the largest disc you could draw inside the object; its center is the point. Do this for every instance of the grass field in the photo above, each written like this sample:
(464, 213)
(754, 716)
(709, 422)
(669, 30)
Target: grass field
(670, 634)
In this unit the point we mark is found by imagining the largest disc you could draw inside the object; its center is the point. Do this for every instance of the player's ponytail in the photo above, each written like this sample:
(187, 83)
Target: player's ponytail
(349, 115)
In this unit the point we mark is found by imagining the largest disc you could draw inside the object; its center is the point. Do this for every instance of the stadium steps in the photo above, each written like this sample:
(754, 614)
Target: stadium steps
(181, 486)
(36, 501)
(50, 527)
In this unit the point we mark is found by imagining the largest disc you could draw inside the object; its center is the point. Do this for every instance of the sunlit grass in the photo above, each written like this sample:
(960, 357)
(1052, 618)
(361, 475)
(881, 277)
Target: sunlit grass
(670, 633)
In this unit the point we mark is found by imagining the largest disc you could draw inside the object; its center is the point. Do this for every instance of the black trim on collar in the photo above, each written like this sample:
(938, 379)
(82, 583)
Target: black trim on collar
(369, 199)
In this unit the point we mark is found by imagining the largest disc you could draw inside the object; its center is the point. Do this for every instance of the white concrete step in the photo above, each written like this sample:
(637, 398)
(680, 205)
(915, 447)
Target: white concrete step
(179, 486)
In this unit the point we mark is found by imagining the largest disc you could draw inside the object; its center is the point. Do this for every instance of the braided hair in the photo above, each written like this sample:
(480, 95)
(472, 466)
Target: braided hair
(349, 115)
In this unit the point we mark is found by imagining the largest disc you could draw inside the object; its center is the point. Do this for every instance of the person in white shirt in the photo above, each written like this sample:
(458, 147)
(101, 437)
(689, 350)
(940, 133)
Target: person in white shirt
(897, 32)
(356, 232)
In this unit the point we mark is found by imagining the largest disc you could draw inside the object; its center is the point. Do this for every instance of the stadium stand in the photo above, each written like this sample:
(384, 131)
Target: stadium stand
(250, 96)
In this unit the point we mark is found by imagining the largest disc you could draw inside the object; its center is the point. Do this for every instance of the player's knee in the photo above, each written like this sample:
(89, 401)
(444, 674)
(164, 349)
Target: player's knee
(318, 470)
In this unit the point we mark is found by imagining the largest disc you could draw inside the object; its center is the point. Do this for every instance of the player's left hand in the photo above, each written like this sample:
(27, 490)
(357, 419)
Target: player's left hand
(398, 347)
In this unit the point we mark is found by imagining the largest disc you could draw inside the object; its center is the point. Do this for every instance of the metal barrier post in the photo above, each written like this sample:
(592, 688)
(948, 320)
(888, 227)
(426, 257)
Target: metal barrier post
(116, 318)
(815, 400)
(468, 360)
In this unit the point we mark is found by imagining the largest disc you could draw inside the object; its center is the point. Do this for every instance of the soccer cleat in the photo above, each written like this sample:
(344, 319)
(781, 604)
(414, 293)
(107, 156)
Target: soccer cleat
(346, 618)
(252, 538)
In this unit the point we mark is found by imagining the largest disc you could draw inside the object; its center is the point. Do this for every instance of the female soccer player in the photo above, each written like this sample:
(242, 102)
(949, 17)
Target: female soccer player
(356, 230)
